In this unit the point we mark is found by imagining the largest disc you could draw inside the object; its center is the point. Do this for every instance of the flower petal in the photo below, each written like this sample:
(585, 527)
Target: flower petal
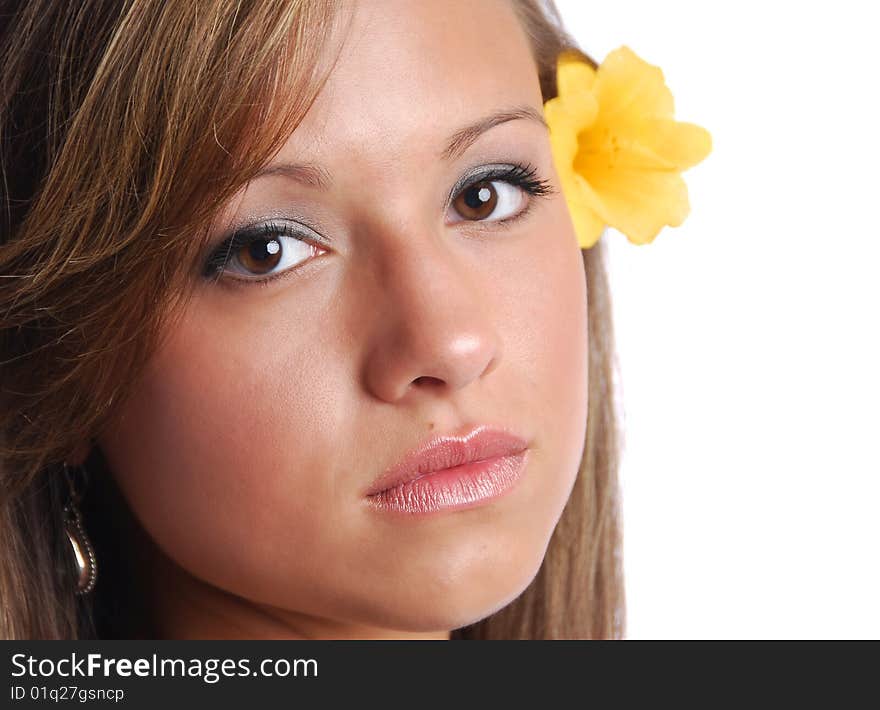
(640, 203)
(679, 144)
(573, 74)
(602, 152)
(574, 82)
(585, 208)
(629, 90)
(563, 133)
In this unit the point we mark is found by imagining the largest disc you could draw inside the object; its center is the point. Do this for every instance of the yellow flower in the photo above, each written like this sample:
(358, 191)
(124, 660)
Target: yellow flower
(617, 149)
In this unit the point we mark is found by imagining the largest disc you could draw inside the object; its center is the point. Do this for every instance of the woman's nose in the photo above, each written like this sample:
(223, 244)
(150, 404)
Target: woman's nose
(434, 330)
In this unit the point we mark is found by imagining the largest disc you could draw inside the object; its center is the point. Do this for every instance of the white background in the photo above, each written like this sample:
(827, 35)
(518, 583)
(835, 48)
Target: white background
(748, 337)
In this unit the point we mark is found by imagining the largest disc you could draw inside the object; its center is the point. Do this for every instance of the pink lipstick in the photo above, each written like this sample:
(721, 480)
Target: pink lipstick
(452, 472)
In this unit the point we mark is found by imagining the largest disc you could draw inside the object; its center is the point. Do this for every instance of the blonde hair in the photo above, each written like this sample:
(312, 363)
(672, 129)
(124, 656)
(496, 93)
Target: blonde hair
(123, 128)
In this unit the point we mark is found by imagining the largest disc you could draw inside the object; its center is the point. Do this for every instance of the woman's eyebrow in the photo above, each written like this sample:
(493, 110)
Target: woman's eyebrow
(306, 173)
(314, 175)
(463, 138)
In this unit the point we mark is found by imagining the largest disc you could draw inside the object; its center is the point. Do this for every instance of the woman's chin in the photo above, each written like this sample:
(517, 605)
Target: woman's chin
(445, 606)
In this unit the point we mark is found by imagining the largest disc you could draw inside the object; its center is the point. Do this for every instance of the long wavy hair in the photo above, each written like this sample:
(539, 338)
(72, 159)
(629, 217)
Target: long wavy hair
(123, 127)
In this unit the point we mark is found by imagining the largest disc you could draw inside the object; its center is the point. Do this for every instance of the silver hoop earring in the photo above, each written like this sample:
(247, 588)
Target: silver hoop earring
(81, 546)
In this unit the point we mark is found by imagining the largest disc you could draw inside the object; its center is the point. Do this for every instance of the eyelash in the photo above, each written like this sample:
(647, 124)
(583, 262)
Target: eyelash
(517, 174)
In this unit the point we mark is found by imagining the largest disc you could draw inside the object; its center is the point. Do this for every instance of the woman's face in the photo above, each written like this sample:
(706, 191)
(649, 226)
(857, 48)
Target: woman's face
(248, 444)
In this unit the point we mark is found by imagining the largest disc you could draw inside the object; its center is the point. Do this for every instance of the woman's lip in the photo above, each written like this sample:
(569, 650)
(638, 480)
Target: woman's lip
(455, 488)
(443, 452)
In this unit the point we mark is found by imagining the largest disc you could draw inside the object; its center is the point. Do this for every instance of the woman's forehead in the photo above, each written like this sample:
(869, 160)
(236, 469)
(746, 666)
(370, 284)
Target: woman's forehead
(418, 70)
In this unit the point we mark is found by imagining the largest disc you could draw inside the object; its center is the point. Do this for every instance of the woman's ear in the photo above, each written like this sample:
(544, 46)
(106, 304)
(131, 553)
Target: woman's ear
(79, 454)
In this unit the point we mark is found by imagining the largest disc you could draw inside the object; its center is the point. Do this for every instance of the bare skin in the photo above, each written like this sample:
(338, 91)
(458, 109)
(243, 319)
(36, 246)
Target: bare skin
(247, 445)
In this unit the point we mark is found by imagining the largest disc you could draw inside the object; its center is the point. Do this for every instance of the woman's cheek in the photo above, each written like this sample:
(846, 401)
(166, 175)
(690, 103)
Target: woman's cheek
(218, 450)
(550, 334)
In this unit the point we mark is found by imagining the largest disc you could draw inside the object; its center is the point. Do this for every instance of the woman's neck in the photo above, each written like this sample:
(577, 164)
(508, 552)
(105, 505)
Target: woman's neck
(184, 607)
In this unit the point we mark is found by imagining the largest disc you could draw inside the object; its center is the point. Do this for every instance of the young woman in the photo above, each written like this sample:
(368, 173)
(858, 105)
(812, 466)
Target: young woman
(297, 338)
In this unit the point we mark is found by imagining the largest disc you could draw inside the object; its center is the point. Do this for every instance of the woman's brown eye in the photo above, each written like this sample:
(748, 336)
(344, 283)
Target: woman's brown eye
(260, 256)
(489, 200)
(477, 201)
(261, 252)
